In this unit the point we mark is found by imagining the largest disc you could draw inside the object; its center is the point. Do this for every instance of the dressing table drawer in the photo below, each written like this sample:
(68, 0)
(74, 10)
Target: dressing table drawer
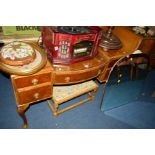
(32, 80)
(34, 93)
(74, 77)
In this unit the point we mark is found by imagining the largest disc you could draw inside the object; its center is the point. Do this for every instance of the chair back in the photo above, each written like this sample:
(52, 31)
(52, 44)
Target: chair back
(116, 93)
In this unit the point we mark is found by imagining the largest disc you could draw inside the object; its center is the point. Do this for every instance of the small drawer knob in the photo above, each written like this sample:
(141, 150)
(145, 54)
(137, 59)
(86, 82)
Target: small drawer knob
(67, 79)
(36, 95)
(34, 81)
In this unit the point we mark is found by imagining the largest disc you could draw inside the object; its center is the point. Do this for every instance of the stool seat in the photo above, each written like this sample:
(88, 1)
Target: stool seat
(62, 94)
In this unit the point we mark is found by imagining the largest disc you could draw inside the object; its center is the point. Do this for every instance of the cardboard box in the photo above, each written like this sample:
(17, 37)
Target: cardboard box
(21, 30)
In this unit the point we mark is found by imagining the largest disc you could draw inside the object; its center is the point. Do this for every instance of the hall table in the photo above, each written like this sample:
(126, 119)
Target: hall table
(36, 87)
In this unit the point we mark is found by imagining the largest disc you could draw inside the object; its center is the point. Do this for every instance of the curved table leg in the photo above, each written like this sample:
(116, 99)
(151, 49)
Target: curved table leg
(21, 112)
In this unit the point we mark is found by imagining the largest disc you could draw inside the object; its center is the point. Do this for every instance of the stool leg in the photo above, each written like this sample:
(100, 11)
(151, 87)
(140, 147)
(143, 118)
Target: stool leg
(53, 108)
(56, 109)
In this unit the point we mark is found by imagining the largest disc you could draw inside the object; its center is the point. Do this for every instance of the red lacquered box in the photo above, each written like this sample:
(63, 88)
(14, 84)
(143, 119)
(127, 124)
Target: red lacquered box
(69, 44)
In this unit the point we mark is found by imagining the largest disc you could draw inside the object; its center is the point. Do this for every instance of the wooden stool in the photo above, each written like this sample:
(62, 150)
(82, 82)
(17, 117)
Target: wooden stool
(62, 94)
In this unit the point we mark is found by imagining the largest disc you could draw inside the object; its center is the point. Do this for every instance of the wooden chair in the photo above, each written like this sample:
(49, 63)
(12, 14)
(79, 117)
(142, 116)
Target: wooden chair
(133, 60)
(114, 94)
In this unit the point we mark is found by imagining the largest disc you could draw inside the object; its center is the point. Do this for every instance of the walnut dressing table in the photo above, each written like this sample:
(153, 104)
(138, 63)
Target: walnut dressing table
(36, 87)
(39, 86)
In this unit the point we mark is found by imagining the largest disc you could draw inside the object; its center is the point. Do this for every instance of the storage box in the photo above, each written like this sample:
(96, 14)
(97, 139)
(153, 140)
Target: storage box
(21, 30)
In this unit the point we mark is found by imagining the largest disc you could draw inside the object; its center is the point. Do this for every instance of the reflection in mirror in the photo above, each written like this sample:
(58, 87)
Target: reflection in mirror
(125, 81)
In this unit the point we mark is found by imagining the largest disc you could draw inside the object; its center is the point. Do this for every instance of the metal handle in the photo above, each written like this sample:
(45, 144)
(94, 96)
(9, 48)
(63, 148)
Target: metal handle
(35, 81)
(36, 95)
(67, 79)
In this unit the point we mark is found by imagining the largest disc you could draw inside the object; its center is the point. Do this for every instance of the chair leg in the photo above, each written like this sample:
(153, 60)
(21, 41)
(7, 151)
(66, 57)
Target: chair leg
(131, 72)
(136, 66)
(148, 65)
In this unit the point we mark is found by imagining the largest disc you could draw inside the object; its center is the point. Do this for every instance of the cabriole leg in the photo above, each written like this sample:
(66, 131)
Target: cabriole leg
(21, 112)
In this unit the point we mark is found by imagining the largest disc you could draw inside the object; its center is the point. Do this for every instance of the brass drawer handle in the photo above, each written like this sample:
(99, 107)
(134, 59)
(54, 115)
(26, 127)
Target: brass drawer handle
(67, 79)
(35, 81)
(36, 95)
